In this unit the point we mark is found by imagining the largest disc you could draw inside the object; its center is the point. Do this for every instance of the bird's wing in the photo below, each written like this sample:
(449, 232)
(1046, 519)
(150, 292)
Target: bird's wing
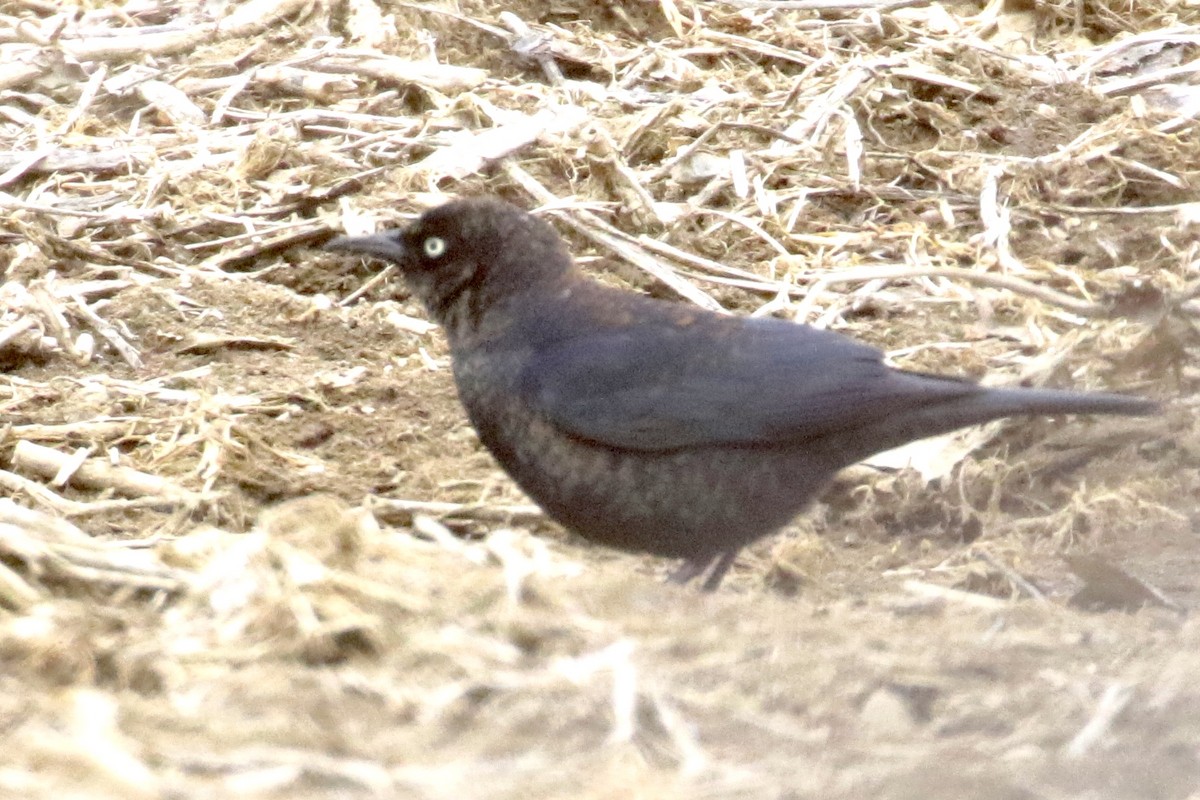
(663, 386)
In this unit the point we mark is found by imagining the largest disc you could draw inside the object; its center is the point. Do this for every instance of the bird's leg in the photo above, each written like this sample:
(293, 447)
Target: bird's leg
(689, 569)
(721, 565)
(694, 567)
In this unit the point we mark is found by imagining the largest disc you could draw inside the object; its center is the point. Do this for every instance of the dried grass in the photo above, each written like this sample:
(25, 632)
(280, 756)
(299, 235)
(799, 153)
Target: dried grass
(1005, 189)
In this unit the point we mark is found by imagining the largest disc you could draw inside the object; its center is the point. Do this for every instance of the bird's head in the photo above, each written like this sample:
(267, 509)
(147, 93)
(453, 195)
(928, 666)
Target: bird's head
(464, 258)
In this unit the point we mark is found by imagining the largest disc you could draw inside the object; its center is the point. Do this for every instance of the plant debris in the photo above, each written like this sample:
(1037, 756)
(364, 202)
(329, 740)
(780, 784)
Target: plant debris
(251, 547)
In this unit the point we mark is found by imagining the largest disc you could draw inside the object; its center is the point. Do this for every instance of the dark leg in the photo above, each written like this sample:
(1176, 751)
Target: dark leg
(722, 564)
(689, 569)
(694, 567)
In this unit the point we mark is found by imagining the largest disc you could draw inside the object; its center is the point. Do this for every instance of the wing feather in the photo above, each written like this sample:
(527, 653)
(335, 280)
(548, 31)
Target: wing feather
(663, 386)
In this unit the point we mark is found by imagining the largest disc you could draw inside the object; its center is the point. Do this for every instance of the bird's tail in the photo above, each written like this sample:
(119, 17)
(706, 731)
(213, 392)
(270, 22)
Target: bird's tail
(996, 403)
(987, 404)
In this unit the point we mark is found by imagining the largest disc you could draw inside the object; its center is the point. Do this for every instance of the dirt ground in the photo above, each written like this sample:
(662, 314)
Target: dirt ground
(253, 548)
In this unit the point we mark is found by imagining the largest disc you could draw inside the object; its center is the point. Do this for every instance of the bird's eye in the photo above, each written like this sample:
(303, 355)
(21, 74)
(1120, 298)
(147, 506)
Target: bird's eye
(434, 246)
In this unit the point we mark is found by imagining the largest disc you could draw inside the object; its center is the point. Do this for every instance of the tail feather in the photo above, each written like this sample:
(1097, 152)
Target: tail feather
(976, 408)
(995, 403)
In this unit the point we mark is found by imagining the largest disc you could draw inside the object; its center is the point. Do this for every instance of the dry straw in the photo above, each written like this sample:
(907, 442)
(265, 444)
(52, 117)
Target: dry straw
(1005, 189)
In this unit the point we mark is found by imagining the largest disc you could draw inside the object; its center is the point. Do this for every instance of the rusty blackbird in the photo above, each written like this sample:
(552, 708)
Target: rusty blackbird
(656, 426)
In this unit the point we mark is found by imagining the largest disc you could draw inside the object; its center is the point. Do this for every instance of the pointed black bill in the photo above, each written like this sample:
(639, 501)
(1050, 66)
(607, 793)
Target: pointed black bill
(381, 245)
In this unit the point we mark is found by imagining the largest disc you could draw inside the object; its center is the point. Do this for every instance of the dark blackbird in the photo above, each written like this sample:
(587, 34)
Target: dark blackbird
(656, 426)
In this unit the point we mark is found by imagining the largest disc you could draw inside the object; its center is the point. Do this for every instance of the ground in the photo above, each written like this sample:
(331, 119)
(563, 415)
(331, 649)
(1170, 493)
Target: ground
(254, 549)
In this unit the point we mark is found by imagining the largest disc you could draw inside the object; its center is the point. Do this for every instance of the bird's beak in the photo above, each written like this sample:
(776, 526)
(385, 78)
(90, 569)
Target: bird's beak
(381, 245)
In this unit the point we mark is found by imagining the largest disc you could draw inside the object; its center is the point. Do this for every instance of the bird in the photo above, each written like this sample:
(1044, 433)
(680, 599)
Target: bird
(656, 426)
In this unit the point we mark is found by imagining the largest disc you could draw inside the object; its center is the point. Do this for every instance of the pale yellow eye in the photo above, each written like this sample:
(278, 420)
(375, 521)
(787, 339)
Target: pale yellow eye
(434, 247)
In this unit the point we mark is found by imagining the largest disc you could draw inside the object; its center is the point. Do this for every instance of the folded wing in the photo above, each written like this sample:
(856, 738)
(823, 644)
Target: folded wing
(664, 386)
